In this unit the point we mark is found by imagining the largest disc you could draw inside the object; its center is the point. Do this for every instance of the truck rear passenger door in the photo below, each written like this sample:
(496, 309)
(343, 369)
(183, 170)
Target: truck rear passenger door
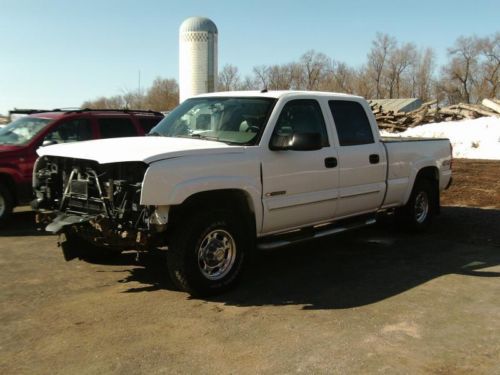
(362, 160)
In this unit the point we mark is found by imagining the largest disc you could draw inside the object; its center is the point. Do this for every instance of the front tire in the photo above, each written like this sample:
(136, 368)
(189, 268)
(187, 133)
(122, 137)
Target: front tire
(6, 204)
(206, 253)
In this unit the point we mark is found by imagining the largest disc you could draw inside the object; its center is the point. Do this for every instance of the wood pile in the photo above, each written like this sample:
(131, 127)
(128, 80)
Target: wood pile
(430, 112)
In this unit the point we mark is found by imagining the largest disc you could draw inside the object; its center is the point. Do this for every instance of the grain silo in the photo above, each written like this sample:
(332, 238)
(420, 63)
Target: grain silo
(197, 57)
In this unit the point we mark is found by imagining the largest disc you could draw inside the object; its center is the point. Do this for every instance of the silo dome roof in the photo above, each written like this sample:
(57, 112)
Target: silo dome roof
(198, 24)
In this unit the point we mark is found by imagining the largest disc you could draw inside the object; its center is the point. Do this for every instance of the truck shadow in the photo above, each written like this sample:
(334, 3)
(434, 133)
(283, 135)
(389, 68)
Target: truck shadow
(357, 268)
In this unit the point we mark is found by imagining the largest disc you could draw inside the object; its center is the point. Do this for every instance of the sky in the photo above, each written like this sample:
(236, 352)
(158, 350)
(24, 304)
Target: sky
(57, 54)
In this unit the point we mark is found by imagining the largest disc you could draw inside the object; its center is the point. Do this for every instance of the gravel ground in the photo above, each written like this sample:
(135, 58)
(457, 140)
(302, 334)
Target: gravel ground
(374, 300)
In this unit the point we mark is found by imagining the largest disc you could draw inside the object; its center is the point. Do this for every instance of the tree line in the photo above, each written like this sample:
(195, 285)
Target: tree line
(392, 69)
(163, 95)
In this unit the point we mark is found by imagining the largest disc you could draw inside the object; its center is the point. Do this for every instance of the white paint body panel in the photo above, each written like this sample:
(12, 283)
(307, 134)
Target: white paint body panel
(286, 190)
(406, 159)
(145, 149)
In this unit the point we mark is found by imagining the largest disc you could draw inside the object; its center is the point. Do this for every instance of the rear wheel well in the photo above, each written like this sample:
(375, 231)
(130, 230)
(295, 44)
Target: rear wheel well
(431, 174)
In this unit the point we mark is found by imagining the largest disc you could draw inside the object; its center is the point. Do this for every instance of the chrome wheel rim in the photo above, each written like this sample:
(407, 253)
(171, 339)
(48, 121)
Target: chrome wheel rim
(216, 254)
(421, 207)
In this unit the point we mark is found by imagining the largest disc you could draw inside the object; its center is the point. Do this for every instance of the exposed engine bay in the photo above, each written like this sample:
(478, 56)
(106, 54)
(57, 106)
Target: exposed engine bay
(99, 202)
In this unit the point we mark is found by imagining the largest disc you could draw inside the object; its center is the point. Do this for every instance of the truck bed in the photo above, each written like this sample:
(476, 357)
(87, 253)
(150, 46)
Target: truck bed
(406, 156)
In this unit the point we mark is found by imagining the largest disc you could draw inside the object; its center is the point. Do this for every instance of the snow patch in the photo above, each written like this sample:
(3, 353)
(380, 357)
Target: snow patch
(471, 139)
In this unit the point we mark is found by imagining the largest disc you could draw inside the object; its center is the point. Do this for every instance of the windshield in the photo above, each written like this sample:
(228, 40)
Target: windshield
(22, 130)
(226, 119)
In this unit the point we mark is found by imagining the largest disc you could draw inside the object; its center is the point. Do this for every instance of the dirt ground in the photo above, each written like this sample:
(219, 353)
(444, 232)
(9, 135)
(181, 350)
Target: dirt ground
(476, 183)
(371, 301)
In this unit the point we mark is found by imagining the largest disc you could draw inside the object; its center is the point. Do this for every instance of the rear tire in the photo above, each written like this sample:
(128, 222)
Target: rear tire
(6, 204)
(420, 209)
(206, 252)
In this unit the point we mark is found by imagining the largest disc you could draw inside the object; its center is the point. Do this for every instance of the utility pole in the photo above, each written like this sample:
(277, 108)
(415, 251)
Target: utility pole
(139, 95)
(139, 83)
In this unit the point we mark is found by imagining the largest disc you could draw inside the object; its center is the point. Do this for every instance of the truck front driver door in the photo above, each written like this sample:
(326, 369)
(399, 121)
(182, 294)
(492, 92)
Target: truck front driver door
(299, 187)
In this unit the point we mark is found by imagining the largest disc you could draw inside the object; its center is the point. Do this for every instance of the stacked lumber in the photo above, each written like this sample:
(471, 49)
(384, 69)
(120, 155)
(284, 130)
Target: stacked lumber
(430, 112)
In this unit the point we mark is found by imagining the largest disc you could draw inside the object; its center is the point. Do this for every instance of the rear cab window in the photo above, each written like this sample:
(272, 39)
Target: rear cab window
(351, 122)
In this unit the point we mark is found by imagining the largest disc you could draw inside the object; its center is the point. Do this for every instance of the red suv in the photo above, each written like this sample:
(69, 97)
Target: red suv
(20, 139)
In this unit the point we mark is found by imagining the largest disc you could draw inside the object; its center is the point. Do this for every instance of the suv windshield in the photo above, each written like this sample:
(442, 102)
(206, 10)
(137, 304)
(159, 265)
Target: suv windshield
(22, 130)
(232, 120)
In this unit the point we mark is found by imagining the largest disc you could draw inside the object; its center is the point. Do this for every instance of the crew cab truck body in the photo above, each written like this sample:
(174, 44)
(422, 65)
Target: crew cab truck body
(226, 173)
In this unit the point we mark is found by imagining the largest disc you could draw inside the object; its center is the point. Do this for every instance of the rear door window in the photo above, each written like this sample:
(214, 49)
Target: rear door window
(116, 127)
(353, 126)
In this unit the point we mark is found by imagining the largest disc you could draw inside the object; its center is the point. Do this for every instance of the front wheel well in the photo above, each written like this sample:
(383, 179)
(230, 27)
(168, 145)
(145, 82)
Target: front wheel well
(233, 200)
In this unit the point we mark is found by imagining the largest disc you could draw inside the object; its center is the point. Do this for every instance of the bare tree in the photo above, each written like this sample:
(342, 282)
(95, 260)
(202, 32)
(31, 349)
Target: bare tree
(314, 65)
(113, 102)
(382, 47)
(229, 78)
(422, 76)
(163, 95)
(490, 48)
(261, 73)
(399, 61)
(249, 83)
(363, 84)
(339, 77)
(462, 71)
(133, 99)
(285, 77)
(344, 77)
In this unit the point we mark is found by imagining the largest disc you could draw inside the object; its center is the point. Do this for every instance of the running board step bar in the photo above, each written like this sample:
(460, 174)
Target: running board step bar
(311, 233)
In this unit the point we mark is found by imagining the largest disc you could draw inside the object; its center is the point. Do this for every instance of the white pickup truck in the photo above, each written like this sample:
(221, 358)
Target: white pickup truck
(227, 173)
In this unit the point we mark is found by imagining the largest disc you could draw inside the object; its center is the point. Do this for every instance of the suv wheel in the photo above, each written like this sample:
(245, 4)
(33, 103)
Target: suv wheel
(6, 204)
(205, 256)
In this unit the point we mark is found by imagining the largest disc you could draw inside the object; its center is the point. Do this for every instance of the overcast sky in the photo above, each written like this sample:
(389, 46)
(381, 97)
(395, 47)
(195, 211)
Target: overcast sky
(61, 53)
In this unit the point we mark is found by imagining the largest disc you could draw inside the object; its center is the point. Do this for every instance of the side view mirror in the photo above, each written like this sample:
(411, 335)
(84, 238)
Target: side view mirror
(296, 142)
(48, 142)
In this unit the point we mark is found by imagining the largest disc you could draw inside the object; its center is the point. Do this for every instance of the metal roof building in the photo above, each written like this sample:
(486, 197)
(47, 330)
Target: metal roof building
(398, 105)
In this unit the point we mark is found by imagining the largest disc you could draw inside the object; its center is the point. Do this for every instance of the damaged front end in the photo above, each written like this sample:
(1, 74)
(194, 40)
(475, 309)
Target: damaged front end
(100, 203)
